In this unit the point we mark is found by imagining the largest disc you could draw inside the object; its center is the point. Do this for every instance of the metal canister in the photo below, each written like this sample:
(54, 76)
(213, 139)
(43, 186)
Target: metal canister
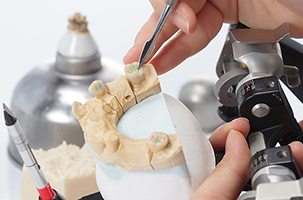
(43, 98)
(198, 96)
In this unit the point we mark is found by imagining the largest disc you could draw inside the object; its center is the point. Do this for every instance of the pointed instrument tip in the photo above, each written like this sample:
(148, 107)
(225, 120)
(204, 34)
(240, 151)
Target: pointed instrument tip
(8, 116)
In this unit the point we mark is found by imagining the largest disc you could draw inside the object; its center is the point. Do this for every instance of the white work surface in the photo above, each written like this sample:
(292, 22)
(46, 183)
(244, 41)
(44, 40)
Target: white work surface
(30, 31)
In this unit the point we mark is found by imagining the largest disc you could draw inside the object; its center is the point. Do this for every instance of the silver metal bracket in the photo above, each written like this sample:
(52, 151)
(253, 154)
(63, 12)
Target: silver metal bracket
(249, 54)
(287, 190)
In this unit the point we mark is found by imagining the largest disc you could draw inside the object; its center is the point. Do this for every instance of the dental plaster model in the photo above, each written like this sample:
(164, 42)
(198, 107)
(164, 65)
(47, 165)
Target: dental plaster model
(69, 169)
(150, 163)
(100, 115)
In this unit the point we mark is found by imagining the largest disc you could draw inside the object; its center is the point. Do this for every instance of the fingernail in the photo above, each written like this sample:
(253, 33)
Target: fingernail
(242, 118)
(299, 143)
(231, 132)
(229, 139)
(180, 21)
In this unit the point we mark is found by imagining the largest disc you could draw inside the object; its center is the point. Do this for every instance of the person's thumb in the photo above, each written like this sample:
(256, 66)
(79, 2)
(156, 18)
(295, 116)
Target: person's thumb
(231, 174)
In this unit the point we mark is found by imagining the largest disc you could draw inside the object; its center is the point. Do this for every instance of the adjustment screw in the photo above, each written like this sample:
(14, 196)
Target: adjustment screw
(260, 110)
(269, 85)
(282, 154)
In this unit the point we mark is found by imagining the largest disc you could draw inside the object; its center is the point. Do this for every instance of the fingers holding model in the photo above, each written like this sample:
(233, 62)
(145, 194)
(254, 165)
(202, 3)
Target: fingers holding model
(232, 173)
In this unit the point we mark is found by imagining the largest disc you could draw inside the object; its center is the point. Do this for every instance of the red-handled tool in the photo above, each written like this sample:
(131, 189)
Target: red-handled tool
(15, 130)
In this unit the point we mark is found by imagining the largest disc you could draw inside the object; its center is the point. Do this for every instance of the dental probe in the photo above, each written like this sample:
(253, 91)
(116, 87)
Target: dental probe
(150, 44)
(19, 138)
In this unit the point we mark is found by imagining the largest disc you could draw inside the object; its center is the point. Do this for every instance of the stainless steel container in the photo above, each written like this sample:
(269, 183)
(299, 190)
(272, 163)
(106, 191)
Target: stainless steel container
(42, 100)
(198, 96)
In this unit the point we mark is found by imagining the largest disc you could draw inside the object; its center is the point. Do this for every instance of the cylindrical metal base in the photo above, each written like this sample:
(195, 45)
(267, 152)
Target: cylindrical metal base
(272, 174)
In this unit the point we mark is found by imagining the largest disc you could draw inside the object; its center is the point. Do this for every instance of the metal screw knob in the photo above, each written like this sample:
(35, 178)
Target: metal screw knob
(260, 110)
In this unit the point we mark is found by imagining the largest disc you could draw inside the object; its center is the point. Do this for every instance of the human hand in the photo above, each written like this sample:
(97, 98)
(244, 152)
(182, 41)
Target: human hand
(201, 20)
(232, 173)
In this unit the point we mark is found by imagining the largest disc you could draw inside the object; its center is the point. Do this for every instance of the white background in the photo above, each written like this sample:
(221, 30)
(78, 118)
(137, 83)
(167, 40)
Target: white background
(29, 34)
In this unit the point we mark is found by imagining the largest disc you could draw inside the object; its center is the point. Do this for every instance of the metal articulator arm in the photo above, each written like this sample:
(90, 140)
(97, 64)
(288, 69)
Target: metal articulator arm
(249, 70)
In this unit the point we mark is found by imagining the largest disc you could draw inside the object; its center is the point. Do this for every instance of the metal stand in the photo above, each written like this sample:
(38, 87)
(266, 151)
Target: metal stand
(249, 70)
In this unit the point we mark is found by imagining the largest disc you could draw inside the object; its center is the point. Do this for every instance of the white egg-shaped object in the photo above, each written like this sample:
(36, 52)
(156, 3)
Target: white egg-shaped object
(159, 113)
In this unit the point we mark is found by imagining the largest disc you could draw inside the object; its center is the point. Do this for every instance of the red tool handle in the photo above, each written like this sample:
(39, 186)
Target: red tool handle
(46, 193)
